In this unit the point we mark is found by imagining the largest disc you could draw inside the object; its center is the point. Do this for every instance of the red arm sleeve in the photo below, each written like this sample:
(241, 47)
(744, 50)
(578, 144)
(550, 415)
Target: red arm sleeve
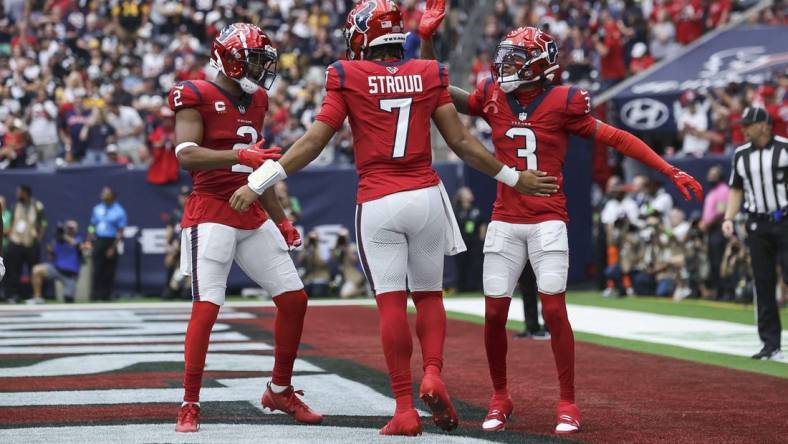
(478, 98)
(630, 146)
(334, 110)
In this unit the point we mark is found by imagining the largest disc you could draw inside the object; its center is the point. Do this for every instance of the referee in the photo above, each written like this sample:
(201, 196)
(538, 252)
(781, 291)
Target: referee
(759, 177)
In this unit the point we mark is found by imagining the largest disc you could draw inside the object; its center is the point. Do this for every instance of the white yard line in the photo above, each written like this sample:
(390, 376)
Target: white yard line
(699, 334)
(216, 433)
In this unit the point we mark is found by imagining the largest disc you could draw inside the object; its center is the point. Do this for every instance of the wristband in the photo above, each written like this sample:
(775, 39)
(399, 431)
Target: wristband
(184, 145)
(508, 175)
(269, 173)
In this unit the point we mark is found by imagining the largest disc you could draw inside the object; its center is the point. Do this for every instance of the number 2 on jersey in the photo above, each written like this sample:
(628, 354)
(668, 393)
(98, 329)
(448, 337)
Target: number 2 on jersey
(245, 130)
(529, 151)
(403, 121)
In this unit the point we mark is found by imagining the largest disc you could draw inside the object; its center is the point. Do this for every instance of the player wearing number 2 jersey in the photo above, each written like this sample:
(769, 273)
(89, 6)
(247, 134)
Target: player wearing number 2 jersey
(218, 126)
(531, 121)
(403, 217)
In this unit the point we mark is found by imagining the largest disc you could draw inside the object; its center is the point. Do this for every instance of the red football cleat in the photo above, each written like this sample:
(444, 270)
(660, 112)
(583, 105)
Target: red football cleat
(406, 424)
(499, 413)
(289, 402)
(434, 394)
(567, 418)
(188, 418)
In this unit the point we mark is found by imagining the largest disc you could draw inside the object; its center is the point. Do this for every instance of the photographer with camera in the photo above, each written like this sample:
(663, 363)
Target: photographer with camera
(348, 280)
(317, 274)
(65, 255)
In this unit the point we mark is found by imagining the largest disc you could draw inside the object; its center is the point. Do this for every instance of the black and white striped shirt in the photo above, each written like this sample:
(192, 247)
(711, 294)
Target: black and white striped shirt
(762, 174)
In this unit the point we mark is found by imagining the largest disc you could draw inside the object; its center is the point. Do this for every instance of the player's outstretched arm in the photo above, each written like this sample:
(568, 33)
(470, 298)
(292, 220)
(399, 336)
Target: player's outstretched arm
(630, 146)
(301, 153)
(192, 156)
(472, 152)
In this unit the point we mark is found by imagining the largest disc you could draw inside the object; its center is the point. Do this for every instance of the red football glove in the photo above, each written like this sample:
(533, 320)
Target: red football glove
(432, 18)
(255, 155)
(686, 183)
(289, 232)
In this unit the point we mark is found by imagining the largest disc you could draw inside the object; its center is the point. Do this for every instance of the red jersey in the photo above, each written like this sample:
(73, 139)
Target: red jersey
(228, 124)
(533, 136)
(389, 105)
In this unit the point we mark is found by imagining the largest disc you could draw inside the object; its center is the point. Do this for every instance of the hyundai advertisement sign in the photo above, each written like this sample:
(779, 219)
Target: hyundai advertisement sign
(743, 54)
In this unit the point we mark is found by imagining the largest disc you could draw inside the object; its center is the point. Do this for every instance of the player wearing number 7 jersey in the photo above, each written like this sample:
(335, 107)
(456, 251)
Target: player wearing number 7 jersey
(217, 127)
(403, 217)
(531, 121)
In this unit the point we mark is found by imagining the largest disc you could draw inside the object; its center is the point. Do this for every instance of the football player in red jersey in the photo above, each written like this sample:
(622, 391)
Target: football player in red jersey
(403, 217)
(218, 131)
(531, 121)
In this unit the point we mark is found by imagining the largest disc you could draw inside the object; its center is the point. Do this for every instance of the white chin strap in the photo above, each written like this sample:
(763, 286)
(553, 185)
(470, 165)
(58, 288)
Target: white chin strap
(248, 86)
(510, 83)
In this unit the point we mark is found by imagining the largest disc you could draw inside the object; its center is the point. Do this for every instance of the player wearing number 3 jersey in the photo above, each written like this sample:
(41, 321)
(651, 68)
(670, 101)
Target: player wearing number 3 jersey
(531, 121)
(218, 130)
(403, 217)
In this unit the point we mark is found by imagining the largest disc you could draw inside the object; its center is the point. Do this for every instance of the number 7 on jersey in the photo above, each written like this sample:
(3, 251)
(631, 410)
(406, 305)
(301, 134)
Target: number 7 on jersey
(403, 122)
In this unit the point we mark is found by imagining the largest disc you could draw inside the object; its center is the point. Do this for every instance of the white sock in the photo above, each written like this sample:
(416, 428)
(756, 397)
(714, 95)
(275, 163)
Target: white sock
(278, 388)
(185, 403)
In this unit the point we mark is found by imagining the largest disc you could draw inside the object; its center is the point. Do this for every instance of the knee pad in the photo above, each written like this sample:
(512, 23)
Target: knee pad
(495, 286)
(552, 283)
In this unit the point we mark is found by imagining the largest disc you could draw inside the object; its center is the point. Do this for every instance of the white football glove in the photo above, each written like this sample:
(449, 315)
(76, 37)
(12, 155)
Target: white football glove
(2, 269)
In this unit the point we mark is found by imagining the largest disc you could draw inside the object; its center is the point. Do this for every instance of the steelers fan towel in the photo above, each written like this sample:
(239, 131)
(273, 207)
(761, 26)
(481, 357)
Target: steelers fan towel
(454, 242)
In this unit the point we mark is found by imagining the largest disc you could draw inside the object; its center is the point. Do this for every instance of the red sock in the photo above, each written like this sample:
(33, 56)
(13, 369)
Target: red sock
(496, 312)
(562, 341)
(397, 345)
(290, 311)
(198, 334)
(431, 328)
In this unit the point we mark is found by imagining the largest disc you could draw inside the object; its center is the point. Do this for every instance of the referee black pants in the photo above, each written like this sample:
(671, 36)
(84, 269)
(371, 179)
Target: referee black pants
(768, 244)
(103, 269)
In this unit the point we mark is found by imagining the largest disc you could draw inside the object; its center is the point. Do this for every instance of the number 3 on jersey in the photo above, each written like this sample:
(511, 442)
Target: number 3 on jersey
(529, 151)
(403, 121)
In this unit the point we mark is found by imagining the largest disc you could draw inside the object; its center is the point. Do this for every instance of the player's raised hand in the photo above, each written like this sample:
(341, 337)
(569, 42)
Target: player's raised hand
(536, 183)
(255, 155)
(289, 232)
(686, 183)
(243, 198)
(432, 18)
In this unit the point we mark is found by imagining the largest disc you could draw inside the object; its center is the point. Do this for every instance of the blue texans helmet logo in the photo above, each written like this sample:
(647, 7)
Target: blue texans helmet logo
(361, 19)
(552, 51)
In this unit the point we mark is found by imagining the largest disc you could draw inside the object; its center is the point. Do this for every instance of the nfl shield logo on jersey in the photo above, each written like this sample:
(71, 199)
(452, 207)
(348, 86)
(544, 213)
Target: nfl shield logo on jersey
(392, 69)
(242, 109)
(523, 116)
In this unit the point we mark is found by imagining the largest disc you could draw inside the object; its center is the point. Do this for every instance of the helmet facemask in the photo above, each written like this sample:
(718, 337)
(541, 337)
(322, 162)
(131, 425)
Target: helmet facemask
(260, 68)
(512, 66)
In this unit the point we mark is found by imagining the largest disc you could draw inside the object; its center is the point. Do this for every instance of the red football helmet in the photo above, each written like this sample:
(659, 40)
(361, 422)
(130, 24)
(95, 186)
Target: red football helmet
(526, 55)
(244, 53)
(372, 23)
